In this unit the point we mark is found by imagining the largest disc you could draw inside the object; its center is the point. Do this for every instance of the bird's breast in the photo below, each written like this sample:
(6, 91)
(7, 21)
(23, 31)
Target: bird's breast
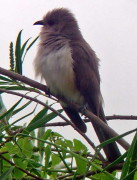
(56, 67)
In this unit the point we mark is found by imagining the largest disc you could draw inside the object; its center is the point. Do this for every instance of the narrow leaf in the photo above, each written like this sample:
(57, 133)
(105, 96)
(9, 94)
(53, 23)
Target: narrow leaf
(32, 43)
(30, 46)
(47, 156)
(5, 78)
(131, 161)
(21, 108)
(23, 47)
(37, 121)
(18, 59)
(9, 112)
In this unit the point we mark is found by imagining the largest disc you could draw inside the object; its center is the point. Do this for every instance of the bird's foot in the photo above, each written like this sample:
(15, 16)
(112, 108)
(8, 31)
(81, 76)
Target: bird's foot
(48, 92)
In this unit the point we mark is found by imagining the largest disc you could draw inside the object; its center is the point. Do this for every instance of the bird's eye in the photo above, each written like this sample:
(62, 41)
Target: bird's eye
(51, 22)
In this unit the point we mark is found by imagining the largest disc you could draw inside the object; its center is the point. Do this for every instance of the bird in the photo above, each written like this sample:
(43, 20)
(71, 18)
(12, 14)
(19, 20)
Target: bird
(70, 68)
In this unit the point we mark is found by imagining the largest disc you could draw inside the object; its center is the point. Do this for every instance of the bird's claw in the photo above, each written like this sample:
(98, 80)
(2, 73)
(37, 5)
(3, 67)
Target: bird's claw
(48, 92)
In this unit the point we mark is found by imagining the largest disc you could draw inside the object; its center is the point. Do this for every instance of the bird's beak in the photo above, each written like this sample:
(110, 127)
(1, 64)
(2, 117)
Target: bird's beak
(39, 23)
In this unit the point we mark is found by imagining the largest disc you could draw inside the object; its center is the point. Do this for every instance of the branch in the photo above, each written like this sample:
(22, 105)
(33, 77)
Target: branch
(88, 114)
(108, 118)
(23, 79)
(56, 112)
(121, 117)
(90, 173)
(106, 128)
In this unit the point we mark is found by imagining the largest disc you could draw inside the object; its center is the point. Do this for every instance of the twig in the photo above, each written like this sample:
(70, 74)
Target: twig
(90, 173)
(121, 117)
(108, 118)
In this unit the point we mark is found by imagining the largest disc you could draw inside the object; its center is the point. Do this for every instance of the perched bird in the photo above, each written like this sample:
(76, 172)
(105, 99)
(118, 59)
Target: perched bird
(70, 68)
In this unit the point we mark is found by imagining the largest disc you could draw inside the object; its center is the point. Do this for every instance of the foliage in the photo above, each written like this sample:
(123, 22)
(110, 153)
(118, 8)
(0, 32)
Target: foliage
(31, 151)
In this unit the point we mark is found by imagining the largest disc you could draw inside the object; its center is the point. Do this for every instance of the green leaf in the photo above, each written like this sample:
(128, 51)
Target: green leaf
(40, 115)
(79, 146)
(81, 166)
(3, 110)
(6, 174)
(23, 117)
(21, 108)
(120, 159)
(5, 78)
(47, 156)
(10, 147)
(18, 55)
(23, 47)
(115, 138)
(39, 120)
(18, 174)
(40, 144)
(4, 83)
(53, 115)
(36, 171)
(62, 143)
(20, 162)
(135, 176)
(69, 144)
(102, 176)
(128, 170)
(17, 88)
(34, 164)
(26, 147)
(30, 47)
(55, 160)
(9, 112)
(47, 134)
(55, 134)
(40, 133)
(32, 43)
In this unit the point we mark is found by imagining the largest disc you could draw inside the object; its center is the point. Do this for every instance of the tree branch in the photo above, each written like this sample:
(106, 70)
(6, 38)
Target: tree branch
(23, 79)
(90, 173)
(88, 114)
(121, 117)
(108, 118)
(56, 112)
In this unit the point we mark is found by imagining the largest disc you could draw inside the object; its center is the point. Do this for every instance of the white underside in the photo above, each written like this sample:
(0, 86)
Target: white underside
(57, 70)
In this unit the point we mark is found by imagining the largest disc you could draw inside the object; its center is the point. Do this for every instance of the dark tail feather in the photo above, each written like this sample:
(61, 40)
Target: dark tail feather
(76, 119)
(111, 150)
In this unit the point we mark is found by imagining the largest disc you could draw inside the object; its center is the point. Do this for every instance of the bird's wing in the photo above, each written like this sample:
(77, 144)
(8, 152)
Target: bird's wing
(85, 66)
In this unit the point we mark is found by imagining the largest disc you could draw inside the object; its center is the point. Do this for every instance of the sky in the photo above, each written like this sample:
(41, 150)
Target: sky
(109, 26)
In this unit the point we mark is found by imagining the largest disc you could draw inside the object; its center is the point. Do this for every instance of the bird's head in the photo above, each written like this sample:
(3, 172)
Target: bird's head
(60, 21)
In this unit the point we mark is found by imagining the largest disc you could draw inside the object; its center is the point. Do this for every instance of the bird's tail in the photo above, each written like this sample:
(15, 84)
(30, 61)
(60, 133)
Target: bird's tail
(75, 118)
(111, 150)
